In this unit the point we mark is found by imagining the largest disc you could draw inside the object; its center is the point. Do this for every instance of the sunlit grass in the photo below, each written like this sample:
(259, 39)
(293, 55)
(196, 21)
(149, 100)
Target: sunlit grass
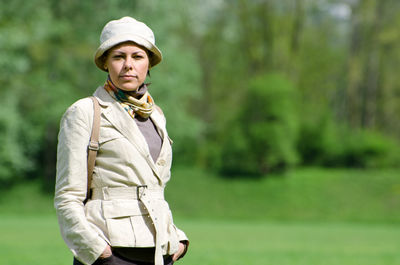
(36, 241)
(307, 217)
(306, 194)
(292, 243)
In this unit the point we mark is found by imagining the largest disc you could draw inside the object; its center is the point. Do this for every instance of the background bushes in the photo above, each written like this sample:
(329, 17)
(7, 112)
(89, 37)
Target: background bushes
(326, 143)
(263, 137)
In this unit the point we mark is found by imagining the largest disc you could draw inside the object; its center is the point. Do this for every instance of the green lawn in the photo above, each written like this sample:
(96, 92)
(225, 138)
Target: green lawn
(305, 194)
(36, 241)
(307, 217)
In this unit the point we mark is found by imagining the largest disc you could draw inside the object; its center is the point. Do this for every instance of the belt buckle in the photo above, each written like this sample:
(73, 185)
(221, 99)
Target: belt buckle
(140, 190)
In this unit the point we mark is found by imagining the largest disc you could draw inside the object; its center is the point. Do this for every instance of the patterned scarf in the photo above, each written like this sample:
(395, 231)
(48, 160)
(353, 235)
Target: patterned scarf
(136, 102)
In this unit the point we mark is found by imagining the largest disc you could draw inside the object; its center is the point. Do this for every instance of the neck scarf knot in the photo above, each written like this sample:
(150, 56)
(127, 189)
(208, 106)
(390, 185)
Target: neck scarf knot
(136, 102)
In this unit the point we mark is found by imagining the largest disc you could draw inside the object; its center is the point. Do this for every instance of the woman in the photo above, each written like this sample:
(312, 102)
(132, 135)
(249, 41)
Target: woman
(126, 219)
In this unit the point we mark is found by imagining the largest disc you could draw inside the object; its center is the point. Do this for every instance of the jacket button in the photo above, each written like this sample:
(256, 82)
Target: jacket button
(161, 162)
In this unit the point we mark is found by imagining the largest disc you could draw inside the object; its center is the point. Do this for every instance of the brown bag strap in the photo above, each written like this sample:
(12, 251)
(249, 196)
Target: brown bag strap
(93, 146)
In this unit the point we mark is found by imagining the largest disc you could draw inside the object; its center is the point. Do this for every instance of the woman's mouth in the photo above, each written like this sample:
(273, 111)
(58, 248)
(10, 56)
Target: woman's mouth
(128, 77)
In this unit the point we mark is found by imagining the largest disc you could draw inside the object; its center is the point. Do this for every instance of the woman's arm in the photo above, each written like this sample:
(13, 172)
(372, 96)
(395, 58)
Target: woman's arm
(71, 181)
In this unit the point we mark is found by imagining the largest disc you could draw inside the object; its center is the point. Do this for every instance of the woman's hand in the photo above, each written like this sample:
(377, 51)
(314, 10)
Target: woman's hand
(106, 253)
(180, 251)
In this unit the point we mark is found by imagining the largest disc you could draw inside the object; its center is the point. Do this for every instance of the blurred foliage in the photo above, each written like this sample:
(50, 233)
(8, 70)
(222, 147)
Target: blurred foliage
(263, 137)
(339, 57)
(331, 144)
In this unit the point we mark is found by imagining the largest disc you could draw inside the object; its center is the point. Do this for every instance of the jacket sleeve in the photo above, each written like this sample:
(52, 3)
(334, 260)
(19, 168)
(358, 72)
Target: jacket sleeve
(181, 235)
(71, 185)
(182, 238)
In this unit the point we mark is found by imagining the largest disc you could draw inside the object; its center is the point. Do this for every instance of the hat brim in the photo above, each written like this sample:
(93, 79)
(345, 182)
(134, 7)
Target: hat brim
(155, 56)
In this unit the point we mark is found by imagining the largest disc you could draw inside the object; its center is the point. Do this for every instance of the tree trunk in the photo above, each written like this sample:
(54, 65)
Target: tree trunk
(372, 71)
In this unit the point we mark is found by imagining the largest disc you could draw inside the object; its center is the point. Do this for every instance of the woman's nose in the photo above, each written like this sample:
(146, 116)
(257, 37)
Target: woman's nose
(128, 63)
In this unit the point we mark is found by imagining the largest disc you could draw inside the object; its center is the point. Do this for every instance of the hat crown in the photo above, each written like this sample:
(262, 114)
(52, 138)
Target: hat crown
(126, 26)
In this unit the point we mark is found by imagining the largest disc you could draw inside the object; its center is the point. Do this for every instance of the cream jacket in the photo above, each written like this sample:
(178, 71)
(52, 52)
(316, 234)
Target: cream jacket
(127, 208)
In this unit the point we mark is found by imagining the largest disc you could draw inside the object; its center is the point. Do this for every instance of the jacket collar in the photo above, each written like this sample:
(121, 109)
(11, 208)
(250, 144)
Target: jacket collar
(117, 116)
(103, 97)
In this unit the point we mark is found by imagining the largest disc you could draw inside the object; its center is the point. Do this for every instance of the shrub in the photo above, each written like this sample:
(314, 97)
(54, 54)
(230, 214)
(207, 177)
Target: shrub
(369, 149)
(263, 137)
(321, 142)
(326, 143)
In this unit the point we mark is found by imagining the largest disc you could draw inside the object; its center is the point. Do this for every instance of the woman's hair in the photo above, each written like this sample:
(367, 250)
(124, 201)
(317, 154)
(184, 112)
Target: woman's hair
(103, 57)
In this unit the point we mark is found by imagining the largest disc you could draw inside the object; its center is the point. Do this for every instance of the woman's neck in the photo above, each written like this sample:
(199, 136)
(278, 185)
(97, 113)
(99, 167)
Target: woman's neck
(138, 93)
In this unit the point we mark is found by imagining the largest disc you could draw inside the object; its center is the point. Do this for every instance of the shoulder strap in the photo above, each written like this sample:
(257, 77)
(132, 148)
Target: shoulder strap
(93, 146)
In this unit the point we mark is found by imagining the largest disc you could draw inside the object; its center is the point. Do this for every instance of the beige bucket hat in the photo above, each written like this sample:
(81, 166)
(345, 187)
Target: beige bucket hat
(123, 30)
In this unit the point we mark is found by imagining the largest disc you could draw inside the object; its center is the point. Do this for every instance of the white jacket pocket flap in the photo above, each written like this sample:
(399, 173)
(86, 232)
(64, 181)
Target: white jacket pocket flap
(123, 208)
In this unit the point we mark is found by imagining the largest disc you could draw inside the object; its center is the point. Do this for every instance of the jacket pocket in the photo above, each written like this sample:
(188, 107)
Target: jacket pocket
(128, 224)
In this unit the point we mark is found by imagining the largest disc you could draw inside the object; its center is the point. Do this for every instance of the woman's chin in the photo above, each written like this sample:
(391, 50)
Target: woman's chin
(129, 88)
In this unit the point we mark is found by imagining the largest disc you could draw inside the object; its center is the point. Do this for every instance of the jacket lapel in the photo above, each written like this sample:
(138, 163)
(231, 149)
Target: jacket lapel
(121, 120)
(159, 122)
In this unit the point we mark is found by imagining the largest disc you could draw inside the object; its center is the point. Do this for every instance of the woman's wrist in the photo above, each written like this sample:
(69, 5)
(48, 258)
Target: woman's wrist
(106, 253)
(186, 245)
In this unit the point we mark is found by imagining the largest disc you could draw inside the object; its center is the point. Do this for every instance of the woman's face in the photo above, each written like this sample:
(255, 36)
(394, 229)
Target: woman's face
(127, 65)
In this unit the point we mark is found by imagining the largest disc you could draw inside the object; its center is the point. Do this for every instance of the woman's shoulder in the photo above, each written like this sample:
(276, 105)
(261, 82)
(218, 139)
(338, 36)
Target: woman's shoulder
(80, 110)
(82, 105)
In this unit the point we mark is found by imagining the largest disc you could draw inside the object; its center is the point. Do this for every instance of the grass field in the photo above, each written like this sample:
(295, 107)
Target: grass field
(307, 194)
(36, 241)
(307, 217)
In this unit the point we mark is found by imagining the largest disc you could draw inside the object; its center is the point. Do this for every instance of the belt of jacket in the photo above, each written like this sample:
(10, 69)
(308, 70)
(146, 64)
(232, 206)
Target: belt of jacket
(147, 197)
